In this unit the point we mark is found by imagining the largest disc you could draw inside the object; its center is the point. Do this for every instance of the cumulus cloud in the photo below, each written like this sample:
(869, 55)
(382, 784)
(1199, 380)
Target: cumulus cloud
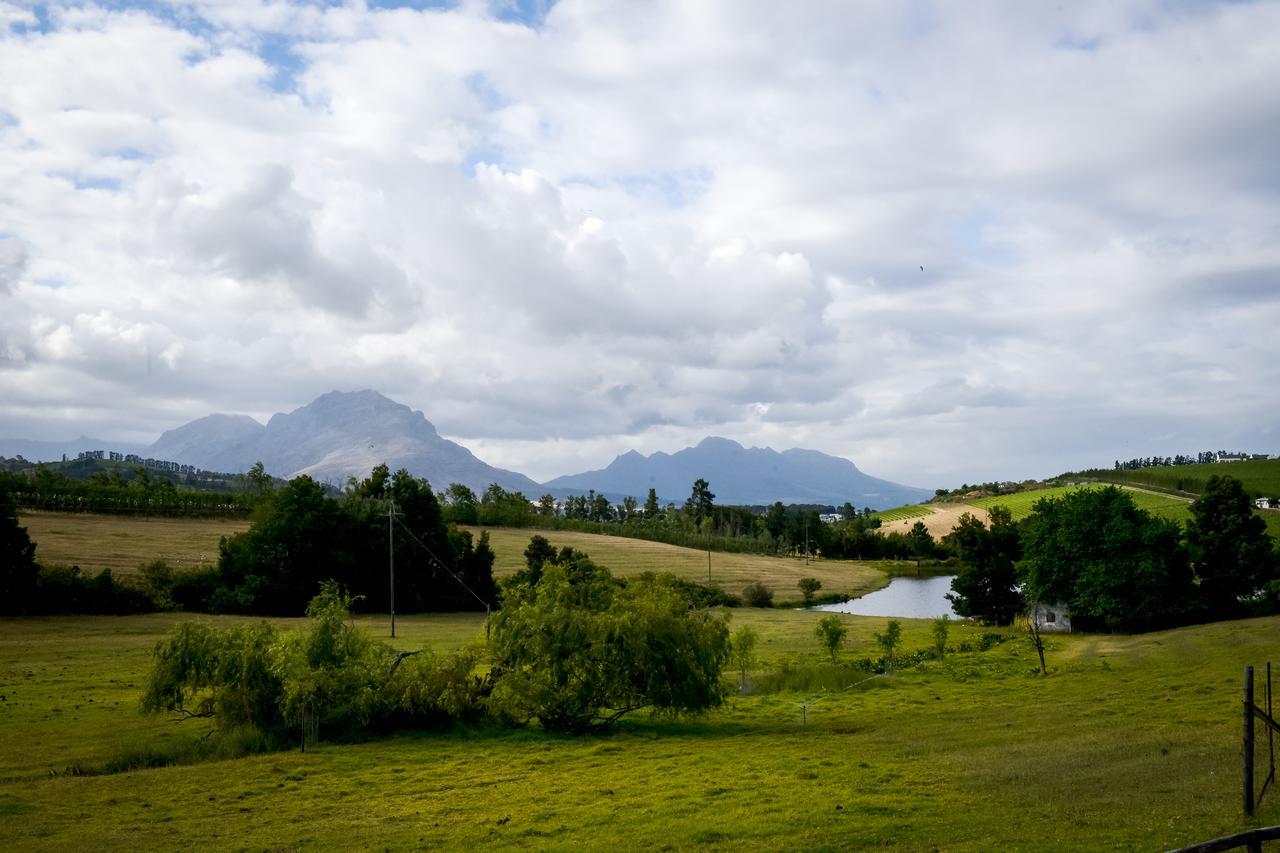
(949, 241)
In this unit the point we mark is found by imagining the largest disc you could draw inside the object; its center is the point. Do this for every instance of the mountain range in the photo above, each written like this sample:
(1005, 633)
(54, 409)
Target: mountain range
(343, 434)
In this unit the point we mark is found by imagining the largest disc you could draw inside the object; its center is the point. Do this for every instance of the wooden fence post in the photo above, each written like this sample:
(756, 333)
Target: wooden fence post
(1248, 741)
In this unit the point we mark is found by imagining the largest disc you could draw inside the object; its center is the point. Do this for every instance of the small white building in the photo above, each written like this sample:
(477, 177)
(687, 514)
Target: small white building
(1262, 503)
(1052, 617)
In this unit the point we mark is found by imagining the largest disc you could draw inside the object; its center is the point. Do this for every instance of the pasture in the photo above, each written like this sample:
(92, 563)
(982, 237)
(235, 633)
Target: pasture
(123, 542)
(1131, 742)
(731, 572)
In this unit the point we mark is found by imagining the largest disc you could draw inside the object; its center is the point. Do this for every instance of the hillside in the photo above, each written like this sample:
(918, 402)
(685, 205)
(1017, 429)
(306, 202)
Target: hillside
(744, 476)
(1261, 477)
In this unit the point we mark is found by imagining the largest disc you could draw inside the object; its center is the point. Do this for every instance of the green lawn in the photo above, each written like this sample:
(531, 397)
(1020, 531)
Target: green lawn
(1130, 743)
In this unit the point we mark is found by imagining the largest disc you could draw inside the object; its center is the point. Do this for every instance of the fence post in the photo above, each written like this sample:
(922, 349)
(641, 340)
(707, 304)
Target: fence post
(1248, 741)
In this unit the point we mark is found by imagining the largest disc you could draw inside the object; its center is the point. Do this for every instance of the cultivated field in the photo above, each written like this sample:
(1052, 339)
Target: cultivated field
(121, 543)
(1130, 743)
(901, 512)
(1261, 476)
(940, 521)
(626, 557)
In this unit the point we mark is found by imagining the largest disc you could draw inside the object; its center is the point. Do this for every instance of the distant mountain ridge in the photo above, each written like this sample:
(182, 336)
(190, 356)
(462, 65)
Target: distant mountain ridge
(338, 435)
(740, 475)
(344, 434)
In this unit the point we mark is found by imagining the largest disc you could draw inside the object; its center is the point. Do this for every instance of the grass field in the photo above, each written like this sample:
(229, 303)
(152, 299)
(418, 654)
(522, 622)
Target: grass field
(1130, 743)
(625, 557)
(1259, 477)
(900, 512)
(121, 543)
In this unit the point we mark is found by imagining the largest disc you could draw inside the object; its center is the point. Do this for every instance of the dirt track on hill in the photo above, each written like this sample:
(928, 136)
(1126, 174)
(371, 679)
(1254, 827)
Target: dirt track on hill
(940, 520)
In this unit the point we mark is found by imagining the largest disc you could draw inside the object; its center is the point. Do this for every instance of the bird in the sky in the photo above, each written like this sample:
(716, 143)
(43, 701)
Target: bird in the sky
(922, 268)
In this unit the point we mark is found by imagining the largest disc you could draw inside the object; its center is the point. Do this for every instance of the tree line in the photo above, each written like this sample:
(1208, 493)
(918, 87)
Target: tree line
(299, 537)
(1117, 567)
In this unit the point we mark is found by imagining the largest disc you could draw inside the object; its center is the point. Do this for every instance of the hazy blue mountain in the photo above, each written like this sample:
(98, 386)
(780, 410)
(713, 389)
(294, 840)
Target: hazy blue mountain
(339, 434)
(740, 475)
(214, 442)
(53, 451)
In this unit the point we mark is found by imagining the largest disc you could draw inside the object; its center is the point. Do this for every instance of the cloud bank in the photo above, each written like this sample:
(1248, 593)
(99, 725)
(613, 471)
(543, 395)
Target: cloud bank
(948, 241)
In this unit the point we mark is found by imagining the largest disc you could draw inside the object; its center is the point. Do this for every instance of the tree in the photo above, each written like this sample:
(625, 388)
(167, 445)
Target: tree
(743, 652)
(1110, 562)
(941, 628)
(18, 569)
(830, 632)
(1034, 615)
(258, 483)
(808, 586)
(987, 586)
(461, 505)
(651, 509)
(1228, 546)
(889, 641)
(922, 544)
(578, 654)
(701, 501)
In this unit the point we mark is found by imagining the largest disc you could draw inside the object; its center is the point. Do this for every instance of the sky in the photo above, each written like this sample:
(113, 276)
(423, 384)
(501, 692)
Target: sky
(948, 241)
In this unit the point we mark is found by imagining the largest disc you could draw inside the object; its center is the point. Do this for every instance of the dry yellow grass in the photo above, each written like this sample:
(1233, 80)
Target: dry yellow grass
(731, 572)
(121, 543)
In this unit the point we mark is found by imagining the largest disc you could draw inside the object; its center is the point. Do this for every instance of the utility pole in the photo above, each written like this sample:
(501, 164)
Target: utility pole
(391, 560)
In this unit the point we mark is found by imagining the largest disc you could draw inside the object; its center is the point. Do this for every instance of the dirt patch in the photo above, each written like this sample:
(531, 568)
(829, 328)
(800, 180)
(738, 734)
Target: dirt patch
(940, 520)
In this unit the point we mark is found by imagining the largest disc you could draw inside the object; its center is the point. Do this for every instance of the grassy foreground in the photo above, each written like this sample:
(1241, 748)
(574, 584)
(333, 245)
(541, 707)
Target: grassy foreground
(1130, 743)
(627, 557)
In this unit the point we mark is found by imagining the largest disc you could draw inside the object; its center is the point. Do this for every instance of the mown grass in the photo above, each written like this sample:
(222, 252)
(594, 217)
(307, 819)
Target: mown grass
(122, 543)
(901, 512)
(1130, 743)
(731, 572)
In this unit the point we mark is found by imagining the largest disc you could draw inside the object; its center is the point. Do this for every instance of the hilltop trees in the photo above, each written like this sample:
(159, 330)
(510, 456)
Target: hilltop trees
(701, 501)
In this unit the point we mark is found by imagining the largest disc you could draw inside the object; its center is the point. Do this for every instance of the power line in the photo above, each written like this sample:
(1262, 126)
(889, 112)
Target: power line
(441, 564)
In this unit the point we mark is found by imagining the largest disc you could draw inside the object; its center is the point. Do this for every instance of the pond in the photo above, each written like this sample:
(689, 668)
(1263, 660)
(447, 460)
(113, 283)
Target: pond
(908, 598)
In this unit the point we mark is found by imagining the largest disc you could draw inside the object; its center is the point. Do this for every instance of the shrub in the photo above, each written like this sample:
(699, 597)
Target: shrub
(756, 594)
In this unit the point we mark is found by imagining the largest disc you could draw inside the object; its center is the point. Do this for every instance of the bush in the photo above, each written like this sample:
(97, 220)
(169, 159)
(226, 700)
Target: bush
(577, 651)
(756, 594)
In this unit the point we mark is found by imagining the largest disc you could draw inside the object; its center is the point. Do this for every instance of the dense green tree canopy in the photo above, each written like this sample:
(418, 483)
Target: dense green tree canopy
(1229, 547)
(987, 586)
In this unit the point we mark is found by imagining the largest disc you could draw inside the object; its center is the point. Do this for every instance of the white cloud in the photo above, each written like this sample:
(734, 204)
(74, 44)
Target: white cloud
(639, 224)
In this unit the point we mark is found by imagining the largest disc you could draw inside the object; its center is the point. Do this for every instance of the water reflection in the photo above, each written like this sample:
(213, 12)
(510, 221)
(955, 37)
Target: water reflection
(909, 598)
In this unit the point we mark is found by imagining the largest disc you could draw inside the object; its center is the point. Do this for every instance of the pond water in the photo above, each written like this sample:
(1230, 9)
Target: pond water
(908, 598)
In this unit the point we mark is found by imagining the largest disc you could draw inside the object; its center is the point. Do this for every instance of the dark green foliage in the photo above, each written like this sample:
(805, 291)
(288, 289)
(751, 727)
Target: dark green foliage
(756, 594)
(1229, 546)
(987, 586)
(300, 538)
(501, 508)
(18, 570)
(1112, 563)
(577, 651)
(888, 641)
(701, 501)
(461, 505)
(118, 488)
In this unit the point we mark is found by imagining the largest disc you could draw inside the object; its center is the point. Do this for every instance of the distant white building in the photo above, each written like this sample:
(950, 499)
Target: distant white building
(1230, 457)
(831, 517)
(1052, 618)
(1262, 503)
